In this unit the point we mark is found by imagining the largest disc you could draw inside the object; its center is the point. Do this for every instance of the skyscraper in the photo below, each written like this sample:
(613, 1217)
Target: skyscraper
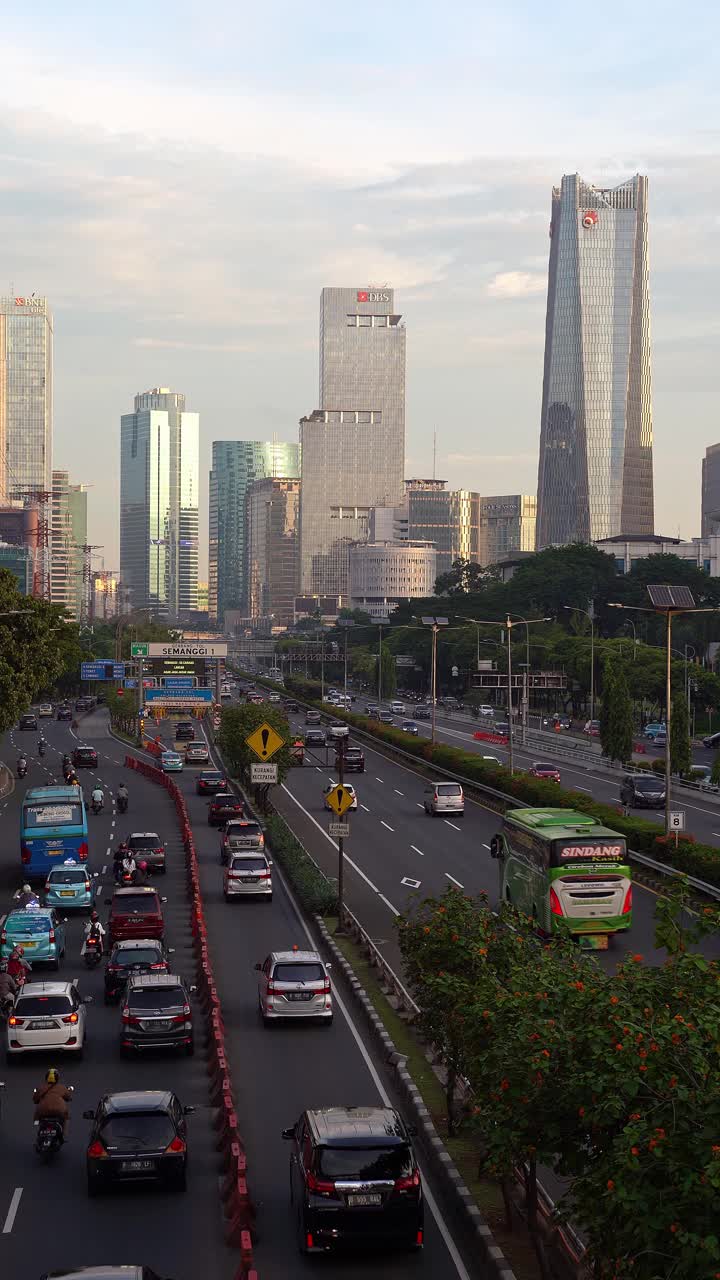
(26, 396)
(711, 491)
(236, 464)
(272, 528)
(68, 535)
(353, 445)
(595, 475)
(159, 490)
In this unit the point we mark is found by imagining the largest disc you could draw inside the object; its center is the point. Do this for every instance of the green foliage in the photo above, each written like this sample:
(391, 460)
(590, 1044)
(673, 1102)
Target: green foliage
(616, 723)
(389, 673)
(37, 646)
(680, 751)
(463, 577)
(715, 771)
(317, 894)
(238, 722)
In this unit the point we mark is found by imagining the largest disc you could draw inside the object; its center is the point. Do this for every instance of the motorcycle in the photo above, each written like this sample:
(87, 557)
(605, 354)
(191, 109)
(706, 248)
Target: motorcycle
(41, 748)
(97, 806)
(122, 804)
(93, 951)
(7, 1004)
(48, 1136)
(21, 769)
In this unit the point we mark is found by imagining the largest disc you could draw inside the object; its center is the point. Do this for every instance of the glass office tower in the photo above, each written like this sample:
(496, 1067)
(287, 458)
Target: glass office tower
(26, 395)
(353, 445)
(159, 490)
(595, 475)
(236, 464)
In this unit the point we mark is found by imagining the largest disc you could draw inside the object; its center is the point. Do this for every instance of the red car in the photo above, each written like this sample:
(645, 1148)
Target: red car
(547, 772)
(223, 808)
(135, 913)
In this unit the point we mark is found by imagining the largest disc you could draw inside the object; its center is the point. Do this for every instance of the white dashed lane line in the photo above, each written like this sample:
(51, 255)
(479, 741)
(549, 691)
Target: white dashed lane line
(364, 806)
(420, 806)
(451, 824)
(457, 882)
(398, 793)
(12, 1211)
(379, 779)
(414, 846)
(385, 824)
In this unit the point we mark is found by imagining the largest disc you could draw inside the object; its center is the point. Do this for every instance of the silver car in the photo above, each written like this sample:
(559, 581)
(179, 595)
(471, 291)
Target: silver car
(197, 753)
(48, 1017)
(294, 984)
(248, 874)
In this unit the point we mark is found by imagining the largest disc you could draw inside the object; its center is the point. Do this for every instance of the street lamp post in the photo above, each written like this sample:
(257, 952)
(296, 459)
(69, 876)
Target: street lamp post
(670, 601)
(510, 623)
(574, 609)
(436, 624)
(346, 624)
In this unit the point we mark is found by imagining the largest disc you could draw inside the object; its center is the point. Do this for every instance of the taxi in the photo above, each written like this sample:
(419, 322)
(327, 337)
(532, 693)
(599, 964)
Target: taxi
(171, 762)
(40, 931)
(69, 886)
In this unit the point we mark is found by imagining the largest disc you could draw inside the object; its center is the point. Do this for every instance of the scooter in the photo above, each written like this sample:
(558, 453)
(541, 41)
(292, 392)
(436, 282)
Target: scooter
(122, 804)
(48, 1136)
(97, 806)
(21, 769)
(93, 951)
(41, 748)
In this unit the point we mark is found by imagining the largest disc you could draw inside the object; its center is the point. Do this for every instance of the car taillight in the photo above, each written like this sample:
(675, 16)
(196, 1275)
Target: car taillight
(129, 1019)
(83, 851)
(319, 1186)
(264, 875)
(158, 850)
(25, 853)
(326, 987)
(272, 990)
(47, 886)
(627, 905)
(176, 1147)
(112, 968)
(15, 1022)
(555, 907)
(72, 1017)
(51, 936)
(3, 938)
(159, 966)
(407, 1184)
(96, 1150)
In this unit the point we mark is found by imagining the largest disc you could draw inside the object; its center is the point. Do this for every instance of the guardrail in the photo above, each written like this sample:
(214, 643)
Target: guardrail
(377, 960)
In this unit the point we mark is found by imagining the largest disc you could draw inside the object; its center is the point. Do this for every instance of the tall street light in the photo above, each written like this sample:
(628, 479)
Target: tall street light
(436, 624)
(574, 609)
(346, 624)
(670, 601)
(526, 624)
(510, 623)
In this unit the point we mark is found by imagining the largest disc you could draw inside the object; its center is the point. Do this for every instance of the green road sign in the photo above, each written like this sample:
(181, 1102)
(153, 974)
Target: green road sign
(140, 649)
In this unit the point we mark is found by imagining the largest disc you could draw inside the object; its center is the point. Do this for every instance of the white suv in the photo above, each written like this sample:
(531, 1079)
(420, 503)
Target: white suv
(48, 1016)
(397, 708)
(294, 984)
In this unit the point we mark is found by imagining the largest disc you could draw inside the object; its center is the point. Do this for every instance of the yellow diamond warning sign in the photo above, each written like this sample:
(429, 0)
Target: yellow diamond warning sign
(339, 799)
(265, 741)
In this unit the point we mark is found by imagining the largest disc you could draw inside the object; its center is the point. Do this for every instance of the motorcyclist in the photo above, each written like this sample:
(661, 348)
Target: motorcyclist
(66, 759)
(122, 796)
(18, 966)
(93, 929)
(41, 746)
(118, 856)
(98, 797)
(23, 897)
(140, 874)
(22, 765)
(8, 987)
(129, 865)
(51, 1099)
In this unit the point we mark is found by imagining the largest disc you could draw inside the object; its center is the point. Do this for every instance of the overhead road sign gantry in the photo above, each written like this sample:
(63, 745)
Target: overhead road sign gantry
(265, 741)
(189, 649)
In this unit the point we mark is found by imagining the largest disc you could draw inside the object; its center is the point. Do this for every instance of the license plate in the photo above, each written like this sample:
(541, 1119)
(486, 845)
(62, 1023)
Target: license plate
(25, 945)
(43, 1024)
(300, 995)
(248, 879)
(67, 893)
(363, 1200)
(136, 1166)
(157, 1024)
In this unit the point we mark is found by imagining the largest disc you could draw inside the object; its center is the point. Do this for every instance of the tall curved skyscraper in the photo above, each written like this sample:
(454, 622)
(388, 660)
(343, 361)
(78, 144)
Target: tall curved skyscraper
(595, 476)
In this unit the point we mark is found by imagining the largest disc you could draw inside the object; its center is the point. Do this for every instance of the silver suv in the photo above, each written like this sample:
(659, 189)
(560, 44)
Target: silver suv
(444, 797)
(294, 984)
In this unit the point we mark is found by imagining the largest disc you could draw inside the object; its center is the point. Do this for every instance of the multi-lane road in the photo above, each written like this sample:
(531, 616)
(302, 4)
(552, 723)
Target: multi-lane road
(46, 1219)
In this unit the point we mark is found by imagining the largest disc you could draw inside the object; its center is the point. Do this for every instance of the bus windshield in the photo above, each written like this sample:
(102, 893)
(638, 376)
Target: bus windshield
(576, 852)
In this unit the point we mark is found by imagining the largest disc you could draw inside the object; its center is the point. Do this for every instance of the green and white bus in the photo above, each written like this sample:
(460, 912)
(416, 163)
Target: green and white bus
(566, 871)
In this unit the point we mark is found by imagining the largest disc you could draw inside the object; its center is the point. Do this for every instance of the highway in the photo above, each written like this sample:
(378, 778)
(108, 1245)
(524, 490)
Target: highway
(276, 1074)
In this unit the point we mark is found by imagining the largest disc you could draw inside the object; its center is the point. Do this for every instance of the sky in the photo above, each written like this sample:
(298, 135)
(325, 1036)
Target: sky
(182, 179)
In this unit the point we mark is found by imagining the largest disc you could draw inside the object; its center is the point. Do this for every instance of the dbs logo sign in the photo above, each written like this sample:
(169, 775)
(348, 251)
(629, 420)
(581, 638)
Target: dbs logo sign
(362, 295)
(589, 219)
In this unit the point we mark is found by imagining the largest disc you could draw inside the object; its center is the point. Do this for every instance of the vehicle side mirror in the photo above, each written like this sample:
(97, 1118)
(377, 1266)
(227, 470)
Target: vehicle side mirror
(88, 999)
(258, 966)
(189, 1111)
(107, 902)
(171, 951)
(88, 1115)
(495, 847)
(193, 990)
(65, 919)
(96, 875)
(289, 1134)
(163, 899)
(270, 862)
(412, 1130)
(328, 966)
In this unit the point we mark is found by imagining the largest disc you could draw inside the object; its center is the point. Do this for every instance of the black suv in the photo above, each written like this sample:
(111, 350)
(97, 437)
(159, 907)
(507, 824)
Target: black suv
(146, 846)
(354, 759)
(85, 758)
(64, 713)
(156, 1014)
(643, 791)
(224, 808)
(137, 955)
(137, 1136)
(354, 1179)
(28, 721)
(184, 731)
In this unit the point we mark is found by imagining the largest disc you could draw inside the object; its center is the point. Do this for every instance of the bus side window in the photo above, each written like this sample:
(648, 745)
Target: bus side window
(496, 847)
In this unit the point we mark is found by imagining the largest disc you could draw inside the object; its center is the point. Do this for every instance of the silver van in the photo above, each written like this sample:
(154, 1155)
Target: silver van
(444, 797)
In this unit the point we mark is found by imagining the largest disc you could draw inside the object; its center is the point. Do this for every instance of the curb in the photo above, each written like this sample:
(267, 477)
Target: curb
(492, 1257)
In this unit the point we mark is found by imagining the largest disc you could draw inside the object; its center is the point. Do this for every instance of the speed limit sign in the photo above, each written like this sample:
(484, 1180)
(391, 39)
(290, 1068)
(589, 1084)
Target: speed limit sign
(677, 820)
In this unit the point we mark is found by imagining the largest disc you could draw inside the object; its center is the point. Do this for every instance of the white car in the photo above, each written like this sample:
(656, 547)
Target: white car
(47, 1017)
(248, 874)
(45, 711)
(274, 697)
(348, 787)
(397, 708)
(294, 984)
(486, 710)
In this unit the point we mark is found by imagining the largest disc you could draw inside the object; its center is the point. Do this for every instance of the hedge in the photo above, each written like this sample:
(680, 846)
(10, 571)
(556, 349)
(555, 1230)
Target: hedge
(316, 893)
(700, 860)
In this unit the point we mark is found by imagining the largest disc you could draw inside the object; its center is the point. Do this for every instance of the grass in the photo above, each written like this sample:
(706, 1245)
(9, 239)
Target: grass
(516, 1244)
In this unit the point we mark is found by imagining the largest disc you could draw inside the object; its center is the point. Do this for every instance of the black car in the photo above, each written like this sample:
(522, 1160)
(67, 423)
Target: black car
(292, 708)
(315, 738)
(423, 712)
(137, 1136)
(223, 808)
(211, 781)
(137, 955)
(156, 1014)
(64, 713)
(354, 1179)
(354, 759)
(85, 758)
(184, 731)
(643, 791)
(28, 721)
(123, 1272)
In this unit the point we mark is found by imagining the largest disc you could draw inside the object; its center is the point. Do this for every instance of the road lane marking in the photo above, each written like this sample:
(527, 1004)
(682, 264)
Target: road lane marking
(457, 882)
(364, 806)
(398, 793)
(486, 846)
(414, 846)
(584, 789)
(12, 1211)
(385, 824)
(419, 805)
(349, 861)
(410, 883)
(379, 779)
(451, 824)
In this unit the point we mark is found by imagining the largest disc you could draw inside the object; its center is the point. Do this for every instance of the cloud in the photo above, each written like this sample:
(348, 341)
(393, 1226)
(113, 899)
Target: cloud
(516, 284)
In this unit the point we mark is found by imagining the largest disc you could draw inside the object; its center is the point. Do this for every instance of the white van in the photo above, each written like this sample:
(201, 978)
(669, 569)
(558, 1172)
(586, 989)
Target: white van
(444, 797)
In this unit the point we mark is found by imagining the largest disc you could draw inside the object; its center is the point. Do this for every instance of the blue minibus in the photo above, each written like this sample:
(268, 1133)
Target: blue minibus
(53, 827)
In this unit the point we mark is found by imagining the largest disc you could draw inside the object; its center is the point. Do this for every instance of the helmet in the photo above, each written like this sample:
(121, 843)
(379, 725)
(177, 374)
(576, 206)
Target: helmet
(26, 888)
(94, 915)
(52, 1076)
(3, 966)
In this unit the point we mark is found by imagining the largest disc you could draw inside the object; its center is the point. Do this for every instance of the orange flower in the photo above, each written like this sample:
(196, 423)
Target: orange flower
(426, 929)
(486, 1013)
(637, 959)
(672, 1082)
(504, 1083)
(482, 951)
(635, 1115)
(613, 1000)
(675, 1039)
(716, 1151)
(643, 1067)
(610, 1185)
(674, 1227)
(579, 986)
(581, 1111)
(618, 1047)
(453, 937)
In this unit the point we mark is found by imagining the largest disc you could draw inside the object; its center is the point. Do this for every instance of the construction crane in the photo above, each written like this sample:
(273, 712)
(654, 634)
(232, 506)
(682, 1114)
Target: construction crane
(87, 601)
(39, 499)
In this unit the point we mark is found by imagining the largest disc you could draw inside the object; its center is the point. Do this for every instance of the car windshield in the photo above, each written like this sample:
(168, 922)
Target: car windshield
(366, 1163)
(156, 997)
(27, 922)
(31, 1006)
(545, 768)
(144, 842)
(137, 1132)
(135, 902)
(300, 972)
(140, 955)
(211, 775)
(68, 877)
(235, 830)
(85, 753)
(248, 864)
(648, 784)
(449, 789)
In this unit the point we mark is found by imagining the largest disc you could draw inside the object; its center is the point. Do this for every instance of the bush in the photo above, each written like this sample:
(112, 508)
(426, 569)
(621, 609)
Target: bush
(316, 893)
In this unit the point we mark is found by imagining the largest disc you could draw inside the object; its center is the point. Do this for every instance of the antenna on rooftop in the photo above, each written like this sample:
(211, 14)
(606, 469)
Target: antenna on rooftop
(434, 454)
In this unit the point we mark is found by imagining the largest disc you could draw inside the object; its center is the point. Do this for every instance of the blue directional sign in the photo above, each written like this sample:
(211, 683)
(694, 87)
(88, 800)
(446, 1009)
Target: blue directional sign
(130, 683)
(190, 696)
(102, 670)
(179, 682)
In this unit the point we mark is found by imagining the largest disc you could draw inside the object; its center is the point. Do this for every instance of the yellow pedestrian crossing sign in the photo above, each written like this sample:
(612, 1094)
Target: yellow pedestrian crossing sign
(265, 741)
(339, 799)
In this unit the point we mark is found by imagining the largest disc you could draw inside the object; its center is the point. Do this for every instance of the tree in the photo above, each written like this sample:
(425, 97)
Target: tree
(616, 720)
(463, 577)
(238, 722)
(715, 771)
(389, 672)
(680, 752)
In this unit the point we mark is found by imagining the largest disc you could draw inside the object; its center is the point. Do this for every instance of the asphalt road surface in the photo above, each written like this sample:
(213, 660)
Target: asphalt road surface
(46, 1219)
